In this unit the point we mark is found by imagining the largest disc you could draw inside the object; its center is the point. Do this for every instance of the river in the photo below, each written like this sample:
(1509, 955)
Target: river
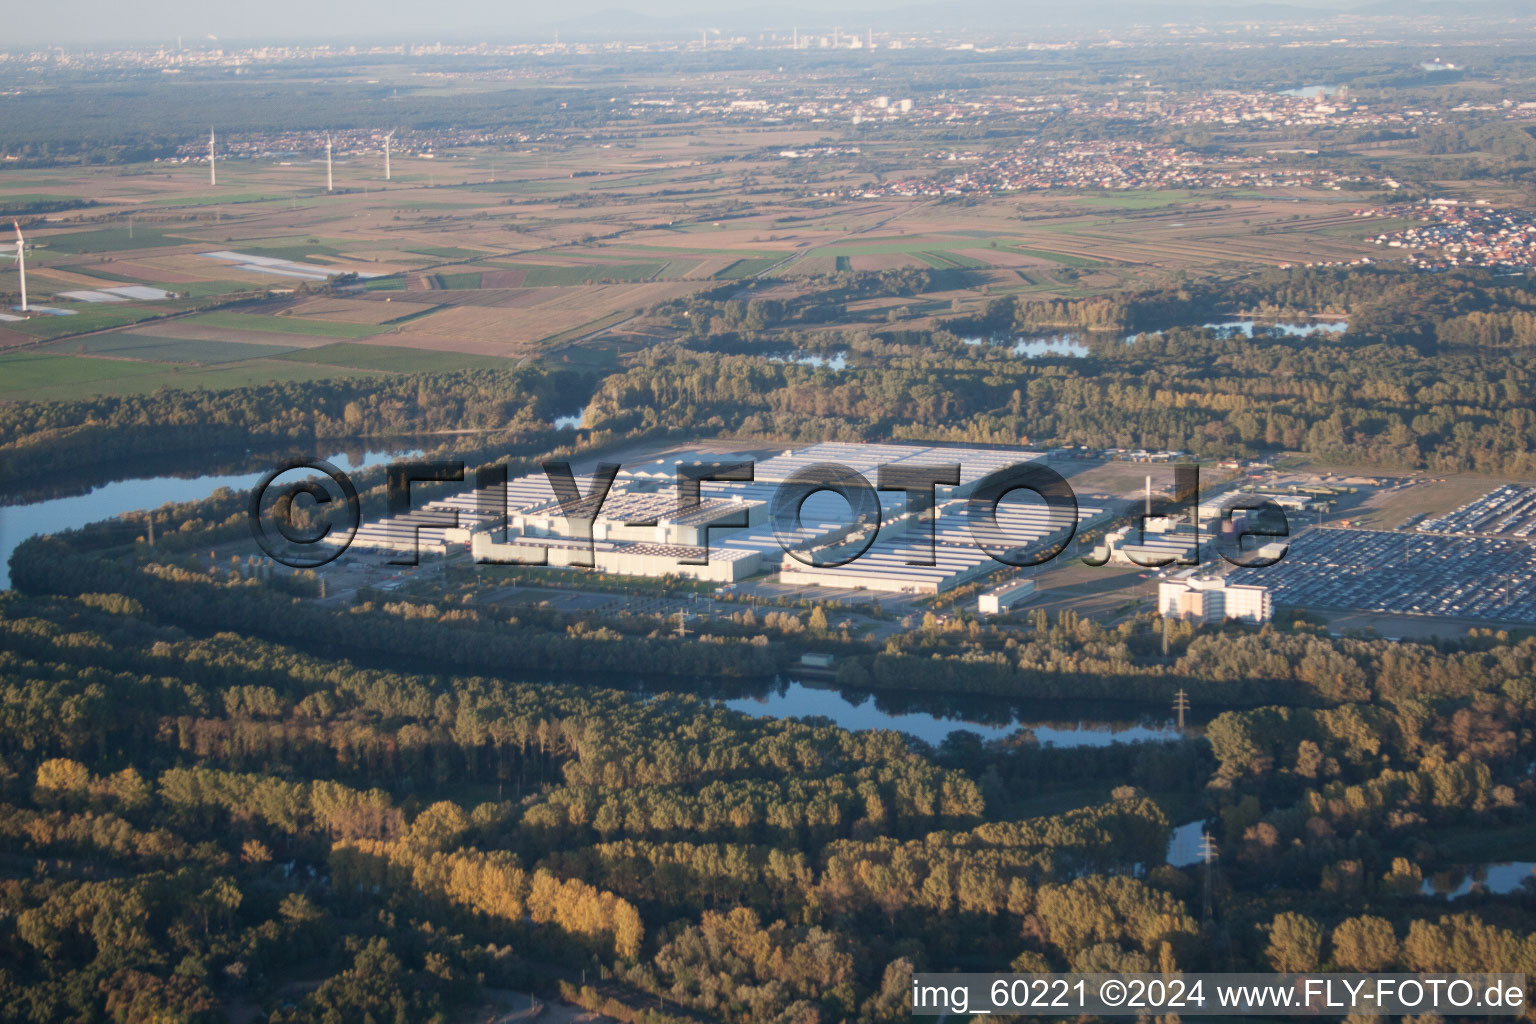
(136, 494)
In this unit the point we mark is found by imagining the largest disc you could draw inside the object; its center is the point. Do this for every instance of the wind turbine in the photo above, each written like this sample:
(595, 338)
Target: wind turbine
(329, 183)
(386, 154)
(213, 174)
(21, 263)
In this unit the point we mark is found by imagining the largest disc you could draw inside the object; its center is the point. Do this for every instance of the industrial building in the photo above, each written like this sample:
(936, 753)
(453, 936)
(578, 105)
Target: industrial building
(640, 531)
(957, 558)
(433, 529)
(1004, 598)
(621, 559)
(643, 517)
(1166, 540)
(1213, 600)
(975, 463)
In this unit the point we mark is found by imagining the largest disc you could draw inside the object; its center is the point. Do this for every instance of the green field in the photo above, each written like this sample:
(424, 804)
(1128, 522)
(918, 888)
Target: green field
(392, 359)
(220, 199)
(109, 240)
(457, 281)
(23, 374)
(286, 325)
(385, 284)
(163, 350)
(86, 318)
(40, 377)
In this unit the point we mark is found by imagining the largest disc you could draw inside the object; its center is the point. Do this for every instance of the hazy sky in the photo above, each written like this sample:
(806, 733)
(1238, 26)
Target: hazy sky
(66, 22)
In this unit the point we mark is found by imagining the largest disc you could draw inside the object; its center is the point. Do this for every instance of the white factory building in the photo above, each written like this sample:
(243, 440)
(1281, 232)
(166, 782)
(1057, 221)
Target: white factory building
(1003, 599)
(724, 565)
(958, 558)
(1213, 600)
(640, 531)
(643, 518)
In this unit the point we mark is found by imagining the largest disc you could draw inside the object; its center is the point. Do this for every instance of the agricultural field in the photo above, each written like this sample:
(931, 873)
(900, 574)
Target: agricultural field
(284, 325)
(390, 359)
(507, 254)
(358, 311)
(155, 349)
(46, 376)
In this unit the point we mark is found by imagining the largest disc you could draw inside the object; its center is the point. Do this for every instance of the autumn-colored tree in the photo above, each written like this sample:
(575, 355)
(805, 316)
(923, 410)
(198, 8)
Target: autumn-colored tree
(1295, 943)
(1364, 944)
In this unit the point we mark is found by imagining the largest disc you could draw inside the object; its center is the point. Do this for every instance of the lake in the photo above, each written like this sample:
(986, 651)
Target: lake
(1075, 345)
(835, 361)
(1501, 879)
(932, 719)
(19, 522)
(1035, 346)
(1246, 328)
(1232, 328)
(1184, 844)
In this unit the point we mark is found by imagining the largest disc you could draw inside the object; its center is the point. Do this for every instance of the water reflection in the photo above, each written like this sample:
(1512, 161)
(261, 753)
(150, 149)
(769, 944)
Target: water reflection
(1037, 345)
(1248, 328)
(19, 522)
(1184, 844)
(835, 361)
(932, 717)
(1494, 878)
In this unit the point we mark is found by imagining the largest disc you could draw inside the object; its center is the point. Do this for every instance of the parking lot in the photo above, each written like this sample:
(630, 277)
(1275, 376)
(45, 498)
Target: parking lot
(1509, 510)
(1489, 579)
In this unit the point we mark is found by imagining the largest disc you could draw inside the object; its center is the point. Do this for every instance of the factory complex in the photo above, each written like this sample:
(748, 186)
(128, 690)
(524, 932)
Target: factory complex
(640, 528)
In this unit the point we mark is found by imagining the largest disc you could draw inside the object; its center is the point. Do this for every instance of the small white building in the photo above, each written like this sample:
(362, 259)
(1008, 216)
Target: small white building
(1003, 598)
(1213, 600)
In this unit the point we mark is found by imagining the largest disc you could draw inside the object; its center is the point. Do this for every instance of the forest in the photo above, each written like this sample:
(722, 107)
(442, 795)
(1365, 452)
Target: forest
(230, 820)
(246, 799)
